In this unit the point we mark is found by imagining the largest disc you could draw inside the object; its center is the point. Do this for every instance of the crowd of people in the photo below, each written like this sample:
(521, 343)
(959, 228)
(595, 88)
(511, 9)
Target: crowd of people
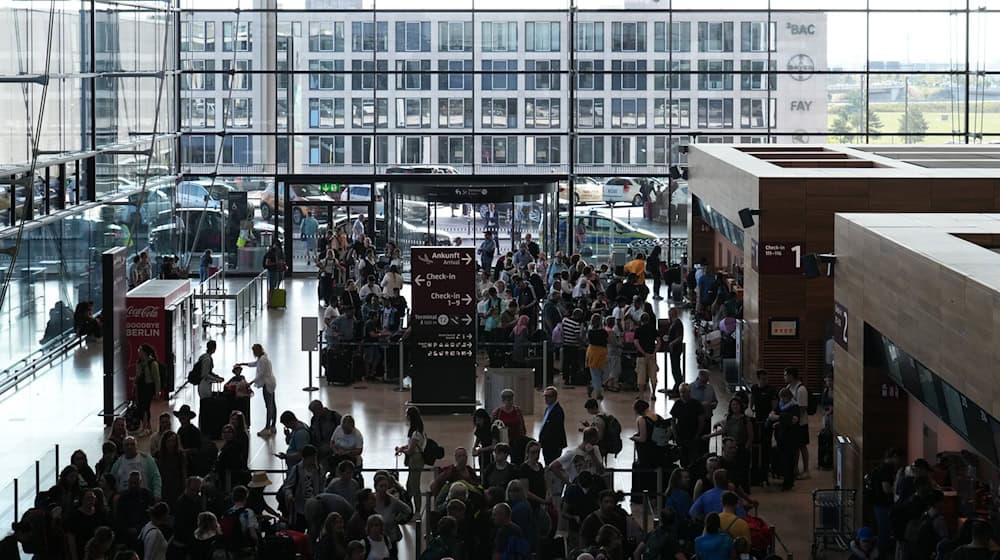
(510, 495)
(507, 496)
(911, 516)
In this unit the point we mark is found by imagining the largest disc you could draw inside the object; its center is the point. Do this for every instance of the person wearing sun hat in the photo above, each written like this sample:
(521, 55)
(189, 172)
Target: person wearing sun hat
(259, 482)
(865, 545)
(188, 434)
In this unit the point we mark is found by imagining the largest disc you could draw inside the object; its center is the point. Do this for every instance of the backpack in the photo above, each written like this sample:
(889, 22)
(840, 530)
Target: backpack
(661, 432)
(232, 529)
(921, 538)
(133, 420)
(432, 452)
(518, 548)
(658, 543)
(869, 488)
(612, 442)
(436, 550)
(557, 334)
(194, 376)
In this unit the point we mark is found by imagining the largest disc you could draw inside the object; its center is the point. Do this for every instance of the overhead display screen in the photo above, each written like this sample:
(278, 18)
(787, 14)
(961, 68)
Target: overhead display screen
(956, 412)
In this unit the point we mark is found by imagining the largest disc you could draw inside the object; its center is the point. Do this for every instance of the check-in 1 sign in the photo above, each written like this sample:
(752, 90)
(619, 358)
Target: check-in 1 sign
(443, 280)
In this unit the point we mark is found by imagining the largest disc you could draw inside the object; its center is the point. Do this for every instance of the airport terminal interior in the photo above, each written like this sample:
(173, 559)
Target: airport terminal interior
(575, 279)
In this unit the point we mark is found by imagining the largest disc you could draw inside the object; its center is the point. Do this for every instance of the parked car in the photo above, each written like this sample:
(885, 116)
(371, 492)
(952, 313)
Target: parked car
(196, 229)
(273, 199)
(622, 189)
(363, 193)
(191, 194)
(421, 169)
(586, 189)
(595, 234)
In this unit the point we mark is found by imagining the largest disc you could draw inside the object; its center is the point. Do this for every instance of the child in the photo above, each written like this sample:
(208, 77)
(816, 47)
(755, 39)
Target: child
(865, 545)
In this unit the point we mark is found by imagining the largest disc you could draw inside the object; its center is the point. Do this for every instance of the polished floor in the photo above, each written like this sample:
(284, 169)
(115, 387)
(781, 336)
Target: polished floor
(61, 407)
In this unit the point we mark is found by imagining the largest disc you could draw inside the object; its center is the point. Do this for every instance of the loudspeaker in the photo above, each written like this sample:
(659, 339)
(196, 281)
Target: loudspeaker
(746, 217)
(810, 266)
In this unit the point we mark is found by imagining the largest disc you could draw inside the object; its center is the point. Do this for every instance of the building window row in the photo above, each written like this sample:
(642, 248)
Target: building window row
(497, 36)
(498, 75)
(456, 149)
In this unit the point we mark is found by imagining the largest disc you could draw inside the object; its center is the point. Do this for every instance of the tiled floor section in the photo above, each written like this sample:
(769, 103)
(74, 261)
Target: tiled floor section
(61, 407)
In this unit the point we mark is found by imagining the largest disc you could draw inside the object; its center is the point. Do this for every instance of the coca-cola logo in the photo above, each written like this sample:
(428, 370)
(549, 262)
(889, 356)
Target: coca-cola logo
(148, 312)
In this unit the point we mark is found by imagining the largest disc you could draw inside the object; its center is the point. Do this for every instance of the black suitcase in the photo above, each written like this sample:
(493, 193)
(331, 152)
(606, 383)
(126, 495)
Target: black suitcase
(338, 366)
(553, 548)
(241, 404)
(824, 454)
(276, 547)
(213, 414)
(758, 466)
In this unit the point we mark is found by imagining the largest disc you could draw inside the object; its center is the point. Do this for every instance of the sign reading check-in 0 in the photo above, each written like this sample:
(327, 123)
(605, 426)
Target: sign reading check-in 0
(443, 281)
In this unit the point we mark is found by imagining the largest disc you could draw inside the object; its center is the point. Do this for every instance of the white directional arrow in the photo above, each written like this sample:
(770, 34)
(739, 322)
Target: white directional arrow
(466, 258)
(466, 299)
(454, 320)
(425, 259)
(467, 320)
(419, 280)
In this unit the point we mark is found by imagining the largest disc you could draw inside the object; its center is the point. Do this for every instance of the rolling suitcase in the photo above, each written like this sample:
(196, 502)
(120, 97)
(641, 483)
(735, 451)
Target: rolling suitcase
(278, 297)
(213, 415)
(358, 368)
(338, 367)
(824, 454)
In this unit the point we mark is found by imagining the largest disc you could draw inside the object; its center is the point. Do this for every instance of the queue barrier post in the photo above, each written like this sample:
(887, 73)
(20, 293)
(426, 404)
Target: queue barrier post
(419, 535)
(57, 461)
(645, 508)
(659, 489)
(545, 364)
(400, 388)
(38, 476)
(17, 500)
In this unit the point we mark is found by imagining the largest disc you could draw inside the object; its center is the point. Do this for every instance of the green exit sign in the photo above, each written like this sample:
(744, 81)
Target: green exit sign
(330, 187)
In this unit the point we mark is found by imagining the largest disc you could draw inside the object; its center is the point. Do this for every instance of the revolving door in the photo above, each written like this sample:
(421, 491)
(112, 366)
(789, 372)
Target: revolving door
(431, 212)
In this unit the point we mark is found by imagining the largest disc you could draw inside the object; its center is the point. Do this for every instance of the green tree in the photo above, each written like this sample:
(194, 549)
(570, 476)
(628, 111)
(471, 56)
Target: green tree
(913, 125)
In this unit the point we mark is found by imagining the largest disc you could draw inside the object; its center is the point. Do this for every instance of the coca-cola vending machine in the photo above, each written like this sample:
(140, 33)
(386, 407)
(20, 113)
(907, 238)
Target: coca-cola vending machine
(156, 310)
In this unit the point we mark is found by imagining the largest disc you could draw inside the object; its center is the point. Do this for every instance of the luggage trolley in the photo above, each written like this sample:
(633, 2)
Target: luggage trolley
(833, 520)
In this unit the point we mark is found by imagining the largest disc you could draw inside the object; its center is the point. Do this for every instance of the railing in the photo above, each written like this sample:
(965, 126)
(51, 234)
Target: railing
(248, 301)
(18, 495)
(26, 367)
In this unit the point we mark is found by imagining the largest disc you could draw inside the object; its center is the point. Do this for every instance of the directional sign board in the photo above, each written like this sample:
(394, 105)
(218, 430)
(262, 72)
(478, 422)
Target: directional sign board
(443, 281)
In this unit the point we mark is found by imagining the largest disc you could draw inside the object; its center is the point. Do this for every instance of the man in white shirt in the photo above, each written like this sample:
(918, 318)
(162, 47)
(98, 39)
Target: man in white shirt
(154, 544)
(358, 229)
(801, 397)
(267, 383)
(370, 287)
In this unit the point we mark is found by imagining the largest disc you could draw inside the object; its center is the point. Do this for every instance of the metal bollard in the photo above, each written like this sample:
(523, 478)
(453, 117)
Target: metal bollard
(545, 364)
(659, 489)
(17, 500)
(419, 540)
(38, 476)
(57, 461)
(645, 509)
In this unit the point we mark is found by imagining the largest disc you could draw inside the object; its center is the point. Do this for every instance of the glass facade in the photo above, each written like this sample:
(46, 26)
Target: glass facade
(673, 73)
(89, 92)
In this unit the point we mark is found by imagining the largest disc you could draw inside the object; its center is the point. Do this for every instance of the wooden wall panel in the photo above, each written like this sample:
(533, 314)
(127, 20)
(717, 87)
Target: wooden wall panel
(899, 195)
(975, 195)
